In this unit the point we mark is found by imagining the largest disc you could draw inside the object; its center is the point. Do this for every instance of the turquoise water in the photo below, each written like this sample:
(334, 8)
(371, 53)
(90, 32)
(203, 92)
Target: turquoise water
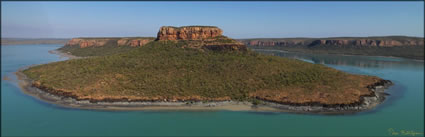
(404, 110)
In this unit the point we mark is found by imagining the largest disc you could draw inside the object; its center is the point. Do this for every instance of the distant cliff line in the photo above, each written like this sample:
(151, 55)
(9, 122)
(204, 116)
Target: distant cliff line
(396, 46)
(385, 41)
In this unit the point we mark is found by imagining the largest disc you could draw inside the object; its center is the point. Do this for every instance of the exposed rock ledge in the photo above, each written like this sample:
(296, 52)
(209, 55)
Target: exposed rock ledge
(188, 32)
(368, 102)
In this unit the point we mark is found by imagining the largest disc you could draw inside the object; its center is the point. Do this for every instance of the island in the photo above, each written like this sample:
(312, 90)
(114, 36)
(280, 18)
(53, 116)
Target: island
(393, 46)
(195, 67)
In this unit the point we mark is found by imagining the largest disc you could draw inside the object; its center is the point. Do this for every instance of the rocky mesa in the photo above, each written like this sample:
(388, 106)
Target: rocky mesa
(188, 32)
(200, 37)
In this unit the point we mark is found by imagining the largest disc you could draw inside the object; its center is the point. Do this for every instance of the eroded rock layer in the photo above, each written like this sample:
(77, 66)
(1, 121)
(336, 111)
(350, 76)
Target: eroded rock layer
(188, 33)
(200, 37)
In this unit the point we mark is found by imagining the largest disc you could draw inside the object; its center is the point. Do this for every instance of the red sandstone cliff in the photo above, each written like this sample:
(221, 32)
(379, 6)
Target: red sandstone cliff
(133, 42)
(188, 33)
(87, 42)
(200, 37)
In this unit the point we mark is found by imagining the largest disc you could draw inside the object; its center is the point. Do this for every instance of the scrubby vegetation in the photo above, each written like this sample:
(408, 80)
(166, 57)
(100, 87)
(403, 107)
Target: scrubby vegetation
(165, 70)
(108, 49)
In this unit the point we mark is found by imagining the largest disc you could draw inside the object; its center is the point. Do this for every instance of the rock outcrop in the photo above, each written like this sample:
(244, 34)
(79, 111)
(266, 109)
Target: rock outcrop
(365, 41)
(200, 37)
(97, 42)
(188, 33)
(133, 42)
(83, 43)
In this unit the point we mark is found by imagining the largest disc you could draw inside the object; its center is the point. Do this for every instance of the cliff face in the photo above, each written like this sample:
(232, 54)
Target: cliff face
(133, 43)
(375, 42)
(83, 43)
(188, 33)
(97, 42)
(201, 37)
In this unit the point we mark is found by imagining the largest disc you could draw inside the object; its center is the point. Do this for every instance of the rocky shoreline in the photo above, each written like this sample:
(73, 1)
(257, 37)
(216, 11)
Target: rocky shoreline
(367, 102)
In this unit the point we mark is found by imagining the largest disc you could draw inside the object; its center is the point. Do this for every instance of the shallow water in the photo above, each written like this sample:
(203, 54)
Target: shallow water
(403, 110)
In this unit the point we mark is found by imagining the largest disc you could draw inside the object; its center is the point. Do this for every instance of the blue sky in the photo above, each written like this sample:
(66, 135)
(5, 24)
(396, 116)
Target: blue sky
(237, 19)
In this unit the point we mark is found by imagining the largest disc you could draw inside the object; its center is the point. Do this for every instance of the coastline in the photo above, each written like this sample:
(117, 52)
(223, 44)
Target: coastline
(368, 102)
(340, 54)
(62, 54)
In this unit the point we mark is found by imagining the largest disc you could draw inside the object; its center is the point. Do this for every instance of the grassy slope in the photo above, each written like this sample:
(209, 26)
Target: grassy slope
(164, 70)
(96, 51)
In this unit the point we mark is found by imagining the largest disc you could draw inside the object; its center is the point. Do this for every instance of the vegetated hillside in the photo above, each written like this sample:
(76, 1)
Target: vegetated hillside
(20, 41)
(170, 71)
(399, 46)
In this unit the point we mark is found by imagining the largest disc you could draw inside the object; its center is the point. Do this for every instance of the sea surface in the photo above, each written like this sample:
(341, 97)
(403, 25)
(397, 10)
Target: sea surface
(23, 115)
